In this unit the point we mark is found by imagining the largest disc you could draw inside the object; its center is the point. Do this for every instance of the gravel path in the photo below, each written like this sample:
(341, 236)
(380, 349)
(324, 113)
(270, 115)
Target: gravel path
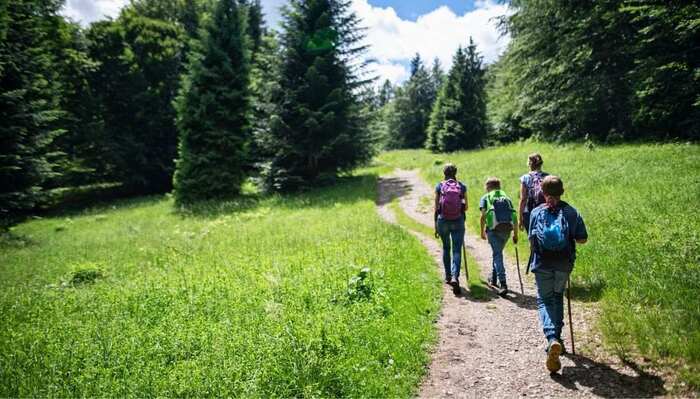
(495, 347)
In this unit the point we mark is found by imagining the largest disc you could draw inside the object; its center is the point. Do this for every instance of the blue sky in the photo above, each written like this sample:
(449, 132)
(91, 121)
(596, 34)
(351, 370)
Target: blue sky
(412, 9)
(396, 29)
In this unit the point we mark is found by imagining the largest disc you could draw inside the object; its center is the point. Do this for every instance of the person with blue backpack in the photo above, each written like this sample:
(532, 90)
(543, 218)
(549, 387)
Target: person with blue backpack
(451, 206)
(555, 229)
(531, 195)
(498, 221)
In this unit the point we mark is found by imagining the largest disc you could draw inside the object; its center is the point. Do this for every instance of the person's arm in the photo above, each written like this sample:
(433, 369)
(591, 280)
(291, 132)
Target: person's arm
(482, 221)
(437, 209)
(515, 223)
(581, 236)
(521, 205)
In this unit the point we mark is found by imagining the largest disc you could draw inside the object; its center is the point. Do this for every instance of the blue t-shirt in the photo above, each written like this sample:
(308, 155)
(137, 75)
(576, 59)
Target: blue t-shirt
(438, 190)
(577, 231)
(525, 182)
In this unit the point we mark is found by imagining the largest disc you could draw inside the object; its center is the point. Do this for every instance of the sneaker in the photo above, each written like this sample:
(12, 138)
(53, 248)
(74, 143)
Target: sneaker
(553, 352)
(504, 290)
(448, 279)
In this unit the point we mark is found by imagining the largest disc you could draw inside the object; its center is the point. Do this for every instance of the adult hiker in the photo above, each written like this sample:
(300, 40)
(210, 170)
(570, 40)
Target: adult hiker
(530, 190)
(555, 229)
(450, 208)
(498, 221)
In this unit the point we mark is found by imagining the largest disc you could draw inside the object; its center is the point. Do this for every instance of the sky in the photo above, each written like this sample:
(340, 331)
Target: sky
(396, 29)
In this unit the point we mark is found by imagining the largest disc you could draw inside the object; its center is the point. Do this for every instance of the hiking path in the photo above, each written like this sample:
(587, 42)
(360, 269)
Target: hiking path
(494, 347)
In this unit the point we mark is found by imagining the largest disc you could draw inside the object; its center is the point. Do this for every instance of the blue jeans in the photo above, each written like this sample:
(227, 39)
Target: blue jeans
(550, 301)
(498, 242)
(451, 231)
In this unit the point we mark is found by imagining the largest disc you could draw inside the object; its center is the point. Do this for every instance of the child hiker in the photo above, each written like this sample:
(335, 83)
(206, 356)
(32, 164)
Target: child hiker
(450, 208)
(555, 228)
(498, 221)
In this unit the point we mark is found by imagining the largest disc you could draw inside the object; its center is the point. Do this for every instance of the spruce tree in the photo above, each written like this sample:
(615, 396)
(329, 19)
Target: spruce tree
(211, 111)
(458, 119)
(318, 129)
(413, 104)
(29, 105)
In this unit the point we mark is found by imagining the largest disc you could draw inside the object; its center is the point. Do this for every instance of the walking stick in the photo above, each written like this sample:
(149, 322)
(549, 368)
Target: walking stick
(571, 324)
(517, 262)
(466, 269)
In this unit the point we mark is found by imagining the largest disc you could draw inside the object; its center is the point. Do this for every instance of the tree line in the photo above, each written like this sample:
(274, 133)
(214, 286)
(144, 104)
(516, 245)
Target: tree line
(196, 96)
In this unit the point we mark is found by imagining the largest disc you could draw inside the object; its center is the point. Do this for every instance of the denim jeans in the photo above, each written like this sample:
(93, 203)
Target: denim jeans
(498, 242)
(550, 301)
(451, 231)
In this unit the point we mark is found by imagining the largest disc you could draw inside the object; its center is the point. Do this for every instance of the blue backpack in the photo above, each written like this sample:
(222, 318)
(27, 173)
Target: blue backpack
(553, 239)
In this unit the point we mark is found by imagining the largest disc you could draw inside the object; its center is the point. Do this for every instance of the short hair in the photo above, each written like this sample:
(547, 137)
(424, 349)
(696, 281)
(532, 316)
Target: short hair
(552, 185)
(535, 160)
(493, 183)
(450, 171)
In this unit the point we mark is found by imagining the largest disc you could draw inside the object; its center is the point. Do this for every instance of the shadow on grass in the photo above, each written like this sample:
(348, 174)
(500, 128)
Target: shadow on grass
(477, 293)
(609, 383)
(346, 190)
(591, 292)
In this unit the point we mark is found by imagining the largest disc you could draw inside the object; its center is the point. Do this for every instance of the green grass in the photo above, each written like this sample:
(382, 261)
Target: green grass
(640, 206)
(256, 297)
(477, 287)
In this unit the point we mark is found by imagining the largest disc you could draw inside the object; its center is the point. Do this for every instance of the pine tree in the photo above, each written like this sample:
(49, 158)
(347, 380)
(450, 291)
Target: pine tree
(29, 105)
(386, 93)
(318, 128)
(458, 119)
(211, 111)
(413, 104)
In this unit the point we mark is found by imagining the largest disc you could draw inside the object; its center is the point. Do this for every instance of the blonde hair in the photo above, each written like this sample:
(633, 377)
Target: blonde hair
(493, 183)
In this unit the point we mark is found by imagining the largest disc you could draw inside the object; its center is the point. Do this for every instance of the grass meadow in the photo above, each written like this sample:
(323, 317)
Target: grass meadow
(304, 295)
(642, 261)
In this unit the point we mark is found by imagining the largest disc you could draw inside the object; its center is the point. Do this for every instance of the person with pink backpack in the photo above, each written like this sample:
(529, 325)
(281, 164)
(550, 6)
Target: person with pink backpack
(450, 209)
(531, 195)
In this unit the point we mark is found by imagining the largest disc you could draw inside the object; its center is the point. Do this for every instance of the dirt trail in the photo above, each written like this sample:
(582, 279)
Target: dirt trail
(494, 347)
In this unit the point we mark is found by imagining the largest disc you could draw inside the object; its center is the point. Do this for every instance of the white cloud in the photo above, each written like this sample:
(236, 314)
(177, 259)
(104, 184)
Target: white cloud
(87, 11)
(437, 34)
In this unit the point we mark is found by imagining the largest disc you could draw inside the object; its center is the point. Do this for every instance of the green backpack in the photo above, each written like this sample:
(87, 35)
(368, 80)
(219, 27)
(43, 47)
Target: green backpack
(499, 212)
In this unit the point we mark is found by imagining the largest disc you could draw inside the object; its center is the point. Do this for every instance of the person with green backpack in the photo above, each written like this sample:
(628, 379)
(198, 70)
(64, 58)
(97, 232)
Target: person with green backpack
(498, 221)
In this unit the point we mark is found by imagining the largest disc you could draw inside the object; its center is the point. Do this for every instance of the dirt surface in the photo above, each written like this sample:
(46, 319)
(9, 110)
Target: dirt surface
(494, 347)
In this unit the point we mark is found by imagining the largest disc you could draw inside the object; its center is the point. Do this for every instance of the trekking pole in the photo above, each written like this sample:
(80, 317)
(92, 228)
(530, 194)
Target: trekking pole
(466, 269)
(517, 263)
(571, 324)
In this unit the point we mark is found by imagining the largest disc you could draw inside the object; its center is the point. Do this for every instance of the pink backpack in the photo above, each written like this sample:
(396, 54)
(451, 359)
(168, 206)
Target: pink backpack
(450, 199)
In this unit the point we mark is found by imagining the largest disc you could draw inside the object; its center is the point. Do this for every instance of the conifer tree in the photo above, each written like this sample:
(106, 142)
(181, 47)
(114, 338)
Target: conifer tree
(458, 119)
(29, 105)
(211, 111)
(318, 128)
(412, 108)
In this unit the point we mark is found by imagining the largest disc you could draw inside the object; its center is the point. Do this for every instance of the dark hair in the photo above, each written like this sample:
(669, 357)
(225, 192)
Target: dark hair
(493, 183)
(450, 171)
(552, 185)
(535, 161)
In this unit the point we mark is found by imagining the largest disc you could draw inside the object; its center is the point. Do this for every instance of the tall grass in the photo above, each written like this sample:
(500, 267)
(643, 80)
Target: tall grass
(255, 297)
(640, 206)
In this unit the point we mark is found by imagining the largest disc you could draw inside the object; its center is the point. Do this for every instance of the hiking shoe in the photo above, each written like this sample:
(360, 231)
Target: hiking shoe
(455, 285)
(553, 352)
(504, 290)
(448, 279)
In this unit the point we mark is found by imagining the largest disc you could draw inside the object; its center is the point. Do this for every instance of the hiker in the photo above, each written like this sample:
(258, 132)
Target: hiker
(498, 221)
(530, 190)
(555, 228)
(450, 208)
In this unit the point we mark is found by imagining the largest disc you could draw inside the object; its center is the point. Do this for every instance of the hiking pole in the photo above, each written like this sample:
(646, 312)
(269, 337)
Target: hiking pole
(571, 324)
(517, 262)
(466, 269)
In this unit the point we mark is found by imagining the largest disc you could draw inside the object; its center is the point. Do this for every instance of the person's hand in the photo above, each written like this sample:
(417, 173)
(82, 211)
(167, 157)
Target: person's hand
(483, 235)
(515, 238)
(436, 234)
(521, 226)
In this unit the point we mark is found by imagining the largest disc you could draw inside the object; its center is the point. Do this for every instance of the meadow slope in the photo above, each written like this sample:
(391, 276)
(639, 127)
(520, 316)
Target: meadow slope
(254, 297)
(643, 257)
